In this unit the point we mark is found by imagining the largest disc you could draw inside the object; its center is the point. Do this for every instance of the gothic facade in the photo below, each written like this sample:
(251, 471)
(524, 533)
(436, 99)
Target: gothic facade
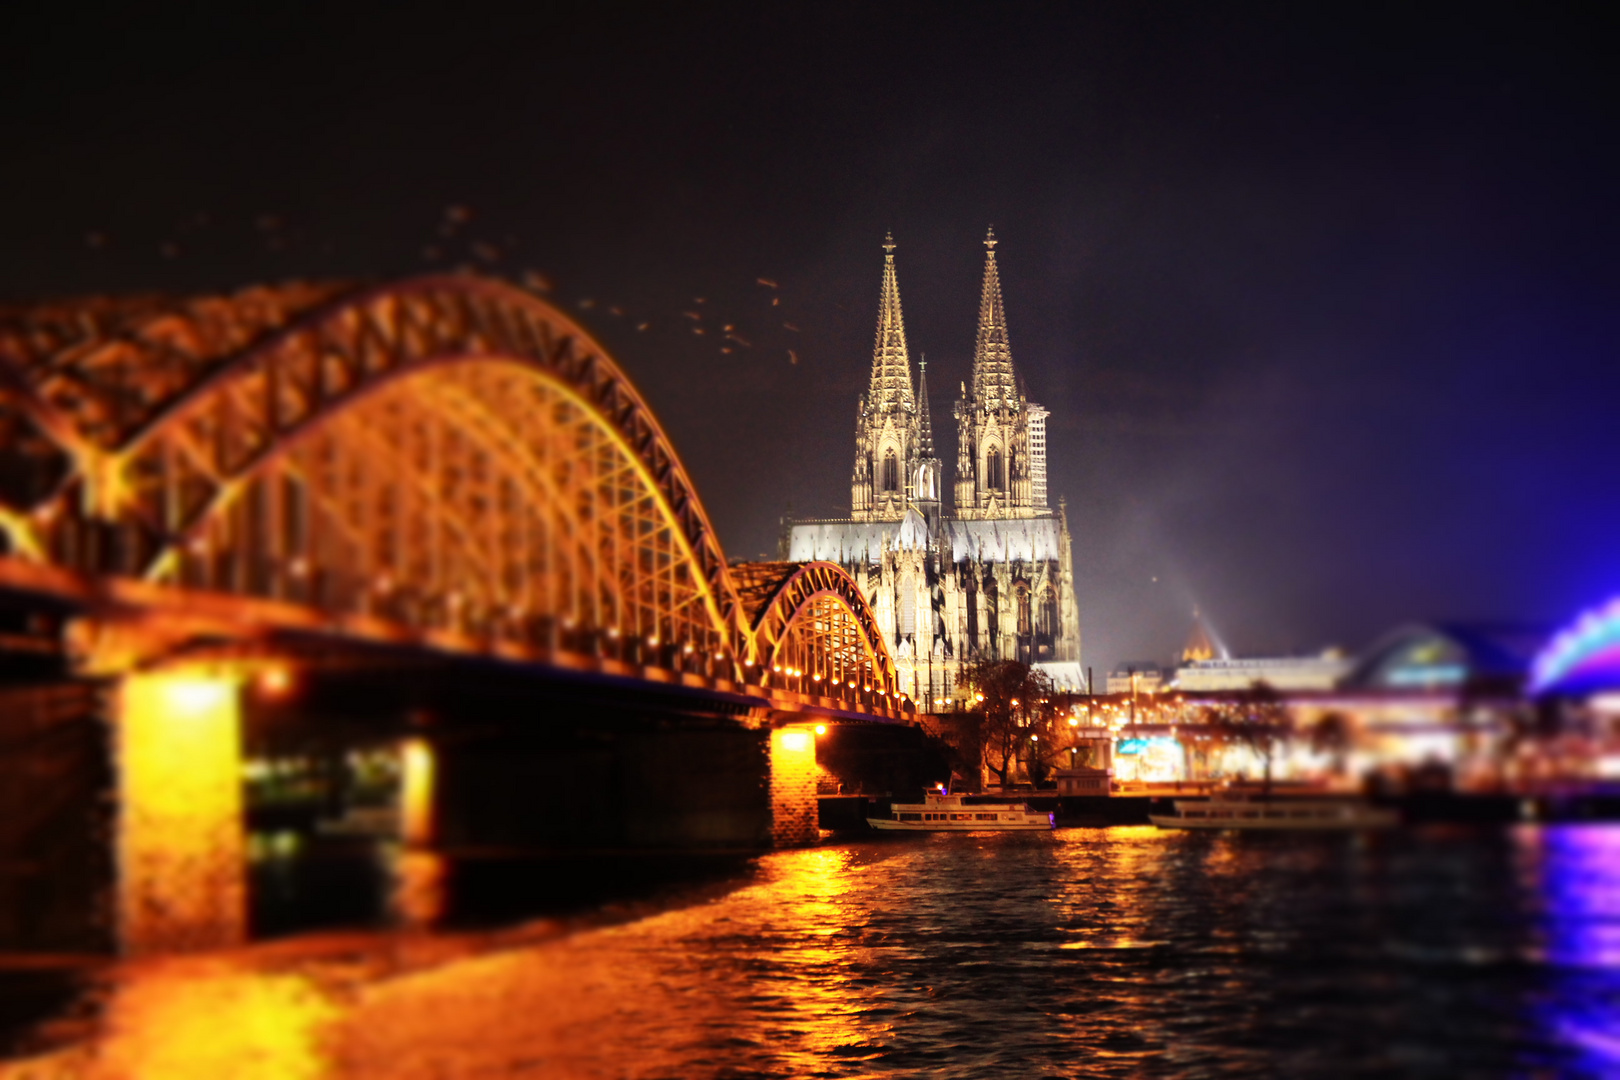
(989, 575)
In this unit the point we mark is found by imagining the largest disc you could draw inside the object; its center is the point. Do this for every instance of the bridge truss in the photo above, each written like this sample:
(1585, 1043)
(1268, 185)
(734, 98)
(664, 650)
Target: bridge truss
(449, 460)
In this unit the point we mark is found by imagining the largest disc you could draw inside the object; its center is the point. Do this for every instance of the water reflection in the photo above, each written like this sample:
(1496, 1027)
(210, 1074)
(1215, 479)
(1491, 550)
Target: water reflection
(192, 1020)
(1576, 869)
(417, 881)
(1107, 952)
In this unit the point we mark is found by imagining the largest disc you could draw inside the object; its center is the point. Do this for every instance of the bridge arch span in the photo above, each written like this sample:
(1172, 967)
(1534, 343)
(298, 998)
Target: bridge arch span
(814, 632)
(449, 453)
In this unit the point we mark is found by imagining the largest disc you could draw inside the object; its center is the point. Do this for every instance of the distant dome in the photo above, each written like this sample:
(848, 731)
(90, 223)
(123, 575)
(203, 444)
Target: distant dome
(1200, 645)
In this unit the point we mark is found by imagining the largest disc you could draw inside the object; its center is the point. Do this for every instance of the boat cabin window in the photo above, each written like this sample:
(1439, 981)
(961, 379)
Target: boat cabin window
(910, 817)
(1196, 813)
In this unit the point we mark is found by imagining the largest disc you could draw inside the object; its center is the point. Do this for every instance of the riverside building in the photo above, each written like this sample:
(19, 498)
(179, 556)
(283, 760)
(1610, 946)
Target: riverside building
(985, 574)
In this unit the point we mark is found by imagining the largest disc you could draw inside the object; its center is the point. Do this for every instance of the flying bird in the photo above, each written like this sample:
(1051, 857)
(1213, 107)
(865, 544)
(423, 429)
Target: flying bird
(767, 282)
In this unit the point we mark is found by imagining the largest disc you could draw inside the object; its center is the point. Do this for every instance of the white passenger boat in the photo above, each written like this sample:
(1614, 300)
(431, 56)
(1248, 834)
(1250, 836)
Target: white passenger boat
(1244, 812)
(939, 812)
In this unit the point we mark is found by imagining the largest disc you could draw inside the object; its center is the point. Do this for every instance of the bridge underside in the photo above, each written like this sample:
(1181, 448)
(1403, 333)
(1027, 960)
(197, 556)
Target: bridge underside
(431, 517)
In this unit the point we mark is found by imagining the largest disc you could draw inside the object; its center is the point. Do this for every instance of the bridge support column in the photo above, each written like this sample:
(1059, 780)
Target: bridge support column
(181, 849)
(794, 818)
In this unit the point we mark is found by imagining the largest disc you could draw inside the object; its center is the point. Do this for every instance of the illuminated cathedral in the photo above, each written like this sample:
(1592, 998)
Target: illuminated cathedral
(988, 574)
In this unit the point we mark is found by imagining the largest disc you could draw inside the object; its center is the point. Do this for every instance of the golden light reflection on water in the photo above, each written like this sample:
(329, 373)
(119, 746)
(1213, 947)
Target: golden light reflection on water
(763, 972)
(811, 889)
(201, 1020)
(828, 961)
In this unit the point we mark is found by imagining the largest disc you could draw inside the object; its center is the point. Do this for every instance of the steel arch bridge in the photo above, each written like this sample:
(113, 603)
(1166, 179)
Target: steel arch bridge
(447, 461)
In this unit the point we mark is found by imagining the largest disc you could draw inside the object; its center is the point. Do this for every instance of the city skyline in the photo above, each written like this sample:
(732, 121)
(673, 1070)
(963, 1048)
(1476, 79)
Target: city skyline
(1322, 303)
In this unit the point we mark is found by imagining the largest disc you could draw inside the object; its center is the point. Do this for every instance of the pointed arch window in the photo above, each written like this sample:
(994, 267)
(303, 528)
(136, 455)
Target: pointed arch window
(1024, 627)
(970, 595)
(1048, 624)
(992, 469)
(908, 609)
(891, 471)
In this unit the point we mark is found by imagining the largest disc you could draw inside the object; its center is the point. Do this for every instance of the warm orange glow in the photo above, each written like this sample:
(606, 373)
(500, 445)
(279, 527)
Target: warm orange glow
(181, 847)
(418, 896)
(416, 792)
(793, 787)
(821, 729)
(201, 1022)
(275, 680)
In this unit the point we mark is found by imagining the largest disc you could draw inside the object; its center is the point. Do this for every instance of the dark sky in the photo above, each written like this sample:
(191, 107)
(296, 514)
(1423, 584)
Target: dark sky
(1324, 306)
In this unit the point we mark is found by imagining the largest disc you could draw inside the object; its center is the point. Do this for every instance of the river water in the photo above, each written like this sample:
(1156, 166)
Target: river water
(1084, 952)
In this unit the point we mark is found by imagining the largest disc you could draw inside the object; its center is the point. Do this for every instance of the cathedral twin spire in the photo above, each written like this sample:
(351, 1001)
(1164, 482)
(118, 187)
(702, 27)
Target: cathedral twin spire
(895, 466)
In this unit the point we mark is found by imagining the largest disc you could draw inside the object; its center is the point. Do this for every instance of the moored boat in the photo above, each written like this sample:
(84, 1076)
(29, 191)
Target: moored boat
(940, 812)
(1244, 812)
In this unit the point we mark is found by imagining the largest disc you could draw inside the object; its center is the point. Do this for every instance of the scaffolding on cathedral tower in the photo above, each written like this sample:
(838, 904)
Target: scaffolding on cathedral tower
(990, 575)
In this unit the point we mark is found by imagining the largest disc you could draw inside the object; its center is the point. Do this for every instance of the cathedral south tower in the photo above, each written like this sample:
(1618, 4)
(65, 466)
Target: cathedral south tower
(1001, 437)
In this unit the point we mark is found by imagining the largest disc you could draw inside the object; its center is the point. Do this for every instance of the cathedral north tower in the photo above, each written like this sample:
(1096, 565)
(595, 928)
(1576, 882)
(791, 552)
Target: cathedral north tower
(890, 472)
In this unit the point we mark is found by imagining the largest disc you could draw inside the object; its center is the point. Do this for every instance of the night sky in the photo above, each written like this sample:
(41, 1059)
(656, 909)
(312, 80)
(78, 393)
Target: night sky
(1324, 308)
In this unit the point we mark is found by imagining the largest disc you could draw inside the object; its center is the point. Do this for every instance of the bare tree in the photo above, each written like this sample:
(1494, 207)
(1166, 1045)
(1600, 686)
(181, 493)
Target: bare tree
(1257, 719)
(1331, 735)
(1014, 702)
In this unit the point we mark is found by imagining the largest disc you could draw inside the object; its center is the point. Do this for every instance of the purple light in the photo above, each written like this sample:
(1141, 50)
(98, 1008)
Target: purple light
(1584, 656)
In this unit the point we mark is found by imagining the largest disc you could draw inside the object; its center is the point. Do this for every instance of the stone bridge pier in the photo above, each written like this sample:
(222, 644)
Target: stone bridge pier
(794, 814)
(180, 852)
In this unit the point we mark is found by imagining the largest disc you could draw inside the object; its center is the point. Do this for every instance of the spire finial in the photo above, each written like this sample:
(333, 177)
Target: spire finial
(923, 363)
(888, 241)
(990, 239)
